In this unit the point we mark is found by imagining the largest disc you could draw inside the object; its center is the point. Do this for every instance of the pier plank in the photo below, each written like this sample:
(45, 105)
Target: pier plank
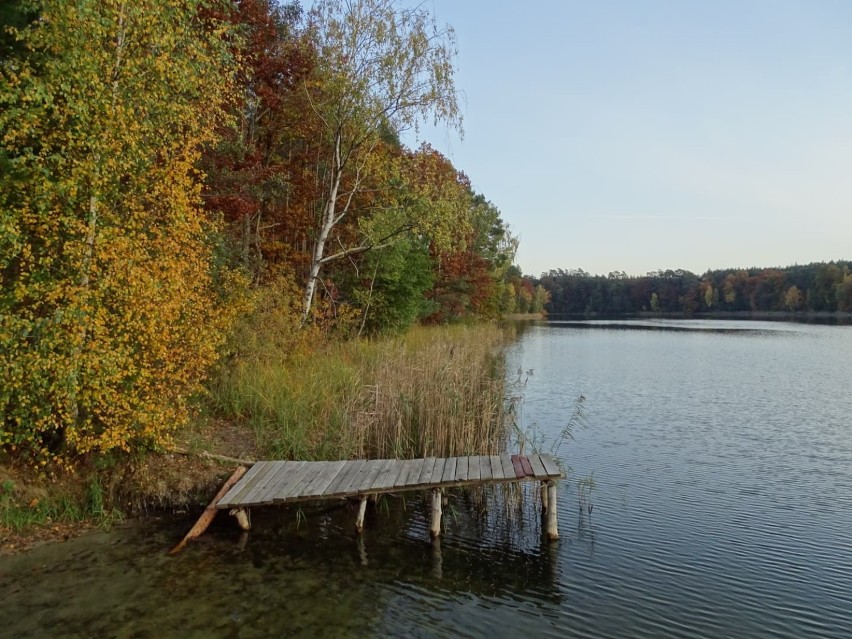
(550, 466)
(325, 476)
(449, 470)
(485, 473)
(426, 471)
(344, 477)
(496, 467)
(438, 471)
(237, 487)
(296, 474)
(518, 466)
(416, 465)
(266, 492)
(462, 465)
(525, 463)
(393, 478)
(508, 469)
(367, 476)
(296, 489)
(473, 470)
(247, 486)
(405, 468)
(538, 468)
(381, 477)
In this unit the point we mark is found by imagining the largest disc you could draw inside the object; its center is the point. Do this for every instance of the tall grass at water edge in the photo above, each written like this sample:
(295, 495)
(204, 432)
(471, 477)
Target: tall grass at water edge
(435, 391)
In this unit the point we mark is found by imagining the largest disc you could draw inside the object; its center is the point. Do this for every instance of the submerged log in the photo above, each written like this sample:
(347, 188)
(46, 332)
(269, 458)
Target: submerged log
(210, 512)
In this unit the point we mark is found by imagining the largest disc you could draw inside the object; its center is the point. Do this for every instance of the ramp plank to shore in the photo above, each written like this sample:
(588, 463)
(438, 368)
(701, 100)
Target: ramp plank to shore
(282, 482)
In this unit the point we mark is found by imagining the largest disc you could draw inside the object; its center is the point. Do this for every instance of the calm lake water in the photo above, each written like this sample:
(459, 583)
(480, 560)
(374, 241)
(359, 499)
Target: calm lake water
(721, 456)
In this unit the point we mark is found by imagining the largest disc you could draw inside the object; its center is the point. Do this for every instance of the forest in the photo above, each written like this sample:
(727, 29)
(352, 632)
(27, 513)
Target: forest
(815, 288)
(191, 185)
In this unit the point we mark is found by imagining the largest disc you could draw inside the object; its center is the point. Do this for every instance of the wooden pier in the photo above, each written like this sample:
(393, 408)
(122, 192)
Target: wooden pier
(287, 482)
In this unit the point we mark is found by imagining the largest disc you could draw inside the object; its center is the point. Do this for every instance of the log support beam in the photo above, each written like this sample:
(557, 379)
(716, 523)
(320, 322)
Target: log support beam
(435, 528)
(552, 512)
(359, 521)
(242, 517)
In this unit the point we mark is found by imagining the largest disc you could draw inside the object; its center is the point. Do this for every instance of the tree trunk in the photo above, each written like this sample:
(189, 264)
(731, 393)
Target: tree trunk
(329, 219)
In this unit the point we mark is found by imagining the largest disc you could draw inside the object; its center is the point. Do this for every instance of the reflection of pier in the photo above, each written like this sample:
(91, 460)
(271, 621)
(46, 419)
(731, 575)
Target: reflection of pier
(287, 482)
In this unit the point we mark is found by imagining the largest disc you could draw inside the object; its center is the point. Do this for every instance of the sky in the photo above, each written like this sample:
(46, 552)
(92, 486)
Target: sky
(638, 135)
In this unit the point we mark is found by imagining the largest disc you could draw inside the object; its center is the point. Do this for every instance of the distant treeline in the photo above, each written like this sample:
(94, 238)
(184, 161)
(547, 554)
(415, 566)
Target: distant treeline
(816, 287)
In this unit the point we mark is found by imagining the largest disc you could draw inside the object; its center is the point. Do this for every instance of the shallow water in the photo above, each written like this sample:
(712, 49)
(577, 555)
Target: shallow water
(721, 507)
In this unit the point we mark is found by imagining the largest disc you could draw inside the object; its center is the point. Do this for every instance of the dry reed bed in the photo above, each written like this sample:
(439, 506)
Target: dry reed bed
(435, 391)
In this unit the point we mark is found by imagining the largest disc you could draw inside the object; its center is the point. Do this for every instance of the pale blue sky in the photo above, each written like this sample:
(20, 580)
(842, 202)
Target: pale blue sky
(654, 134)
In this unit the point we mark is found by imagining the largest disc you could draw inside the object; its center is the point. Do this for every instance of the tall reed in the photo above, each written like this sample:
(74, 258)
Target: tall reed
(435, 391)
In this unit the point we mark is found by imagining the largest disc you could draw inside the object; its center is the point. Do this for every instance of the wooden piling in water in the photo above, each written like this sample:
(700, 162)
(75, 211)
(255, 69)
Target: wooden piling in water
(552, 519)
(435, 528)
(359, 521)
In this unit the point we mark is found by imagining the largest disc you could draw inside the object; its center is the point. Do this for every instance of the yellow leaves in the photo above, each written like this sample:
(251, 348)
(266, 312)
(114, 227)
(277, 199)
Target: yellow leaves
(113, 320)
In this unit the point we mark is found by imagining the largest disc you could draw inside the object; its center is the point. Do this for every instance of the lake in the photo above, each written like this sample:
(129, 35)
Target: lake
(719, 455)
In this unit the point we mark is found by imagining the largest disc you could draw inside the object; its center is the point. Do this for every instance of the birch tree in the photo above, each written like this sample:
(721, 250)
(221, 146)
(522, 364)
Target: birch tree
(379, 67)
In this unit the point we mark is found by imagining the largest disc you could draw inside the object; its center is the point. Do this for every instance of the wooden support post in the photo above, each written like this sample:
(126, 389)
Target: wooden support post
(437, 559)
(543, 489)
(436, 512)
(359, 522)
(552, 523)
(243, 520)
(445, 499)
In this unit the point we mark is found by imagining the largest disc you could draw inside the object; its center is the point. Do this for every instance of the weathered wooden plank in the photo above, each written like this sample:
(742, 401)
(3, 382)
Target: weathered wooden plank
(237, 488)
(404, 468)
(550, 466)
(387, 475)
(473, 468)
(296, 474)
(325, 475)
(416, 465)
(297, 487)
(265, 493)
(518, 466)
(462, 466)
(525, 462)
(365, 476)
(351, 487)
(251, 496)
(426, 471)
(399, 469)
(438, 470)
(382, 476)
(538, 468)
(449, 470)
(344, 477)
(485, 473)
(496, 467)
(508, 469)
(247, 486)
